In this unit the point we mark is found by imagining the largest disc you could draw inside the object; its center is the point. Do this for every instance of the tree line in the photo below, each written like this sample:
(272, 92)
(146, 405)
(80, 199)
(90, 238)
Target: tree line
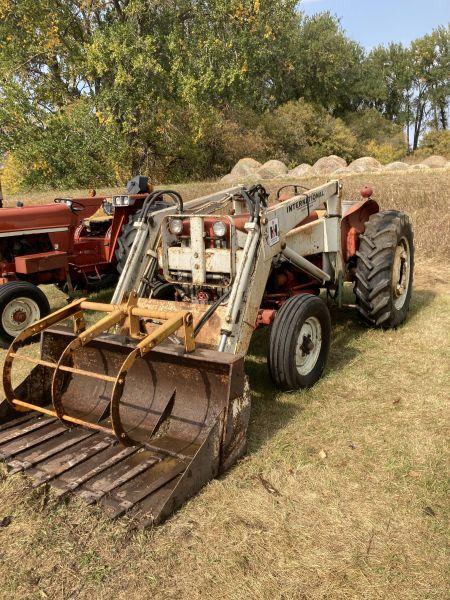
(92, 91)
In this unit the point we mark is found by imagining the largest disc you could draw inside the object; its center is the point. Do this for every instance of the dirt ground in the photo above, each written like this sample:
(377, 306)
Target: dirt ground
(344, 490)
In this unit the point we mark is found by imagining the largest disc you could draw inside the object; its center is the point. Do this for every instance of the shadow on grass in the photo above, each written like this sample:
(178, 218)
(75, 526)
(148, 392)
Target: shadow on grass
(272, 410)
(420, 299)
(269, 414)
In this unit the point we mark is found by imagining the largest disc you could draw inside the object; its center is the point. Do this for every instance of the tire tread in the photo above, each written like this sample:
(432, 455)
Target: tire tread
(280, 344)
(375, 258)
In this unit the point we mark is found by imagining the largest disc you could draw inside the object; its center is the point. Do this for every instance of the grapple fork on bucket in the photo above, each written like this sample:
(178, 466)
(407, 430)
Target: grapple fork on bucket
(129, 419)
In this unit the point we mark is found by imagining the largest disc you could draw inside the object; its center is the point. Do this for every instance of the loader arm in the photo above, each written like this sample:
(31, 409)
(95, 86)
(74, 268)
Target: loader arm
(241, 269)
(277, 236)
(122, 412)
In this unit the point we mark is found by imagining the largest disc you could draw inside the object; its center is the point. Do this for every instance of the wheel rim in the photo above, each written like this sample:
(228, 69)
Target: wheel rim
(19, 314)
(401, 273)
(308, 347)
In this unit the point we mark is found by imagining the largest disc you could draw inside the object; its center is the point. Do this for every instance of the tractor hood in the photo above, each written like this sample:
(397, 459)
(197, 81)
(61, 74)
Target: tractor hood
(43, 217)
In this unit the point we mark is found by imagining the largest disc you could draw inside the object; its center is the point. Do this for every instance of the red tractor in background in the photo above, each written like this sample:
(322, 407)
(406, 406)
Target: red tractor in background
(63, 244)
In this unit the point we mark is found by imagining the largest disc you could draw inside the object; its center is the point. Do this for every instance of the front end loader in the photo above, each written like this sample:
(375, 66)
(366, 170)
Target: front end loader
(141, 406)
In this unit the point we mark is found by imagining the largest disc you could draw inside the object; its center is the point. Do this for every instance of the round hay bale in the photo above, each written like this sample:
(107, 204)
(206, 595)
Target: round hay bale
(341, 171)
(396, 166)
(435, 162)
(271, 169)
(230, 178)
(264, 173)
(419, 167)
(251, 179)
(365, 164)
(244, 167)
(359, 169)
(275, 166)
(301, 170)
(328, 164)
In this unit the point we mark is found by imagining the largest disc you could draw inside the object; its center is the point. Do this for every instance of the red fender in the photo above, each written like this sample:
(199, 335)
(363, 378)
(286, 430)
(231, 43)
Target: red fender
(354, 224)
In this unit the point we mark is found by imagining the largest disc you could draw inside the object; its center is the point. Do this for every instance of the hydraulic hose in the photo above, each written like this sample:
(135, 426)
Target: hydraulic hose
(209, 313)
(255, 197)
(159, 195)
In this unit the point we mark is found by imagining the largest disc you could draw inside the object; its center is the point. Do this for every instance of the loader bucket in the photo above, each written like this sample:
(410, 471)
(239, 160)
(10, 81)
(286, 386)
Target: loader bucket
(179, 420)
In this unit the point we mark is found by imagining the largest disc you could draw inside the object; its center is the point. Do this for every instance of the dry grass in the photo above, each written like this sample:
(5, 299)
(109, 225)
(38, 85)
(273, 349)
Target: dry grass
(358, 464)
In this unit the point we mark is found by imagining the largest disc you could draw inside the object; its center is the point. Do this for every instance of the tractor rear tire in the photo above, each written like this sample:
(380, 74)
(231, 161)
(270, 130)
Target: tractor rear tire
(384, 270)
(21, 305)
(299, 342)
(126, 239)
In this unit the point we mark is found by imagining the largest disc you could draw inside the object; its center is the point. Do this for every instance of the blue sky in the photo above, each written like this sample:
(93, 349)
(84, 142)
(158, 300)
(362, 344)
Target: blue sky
(373, 22)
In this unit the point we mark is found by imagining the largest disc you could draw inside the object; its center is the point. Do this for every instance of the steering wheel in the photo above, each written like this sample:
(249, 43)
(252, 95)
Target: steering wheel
(296, 187)
(73, 205)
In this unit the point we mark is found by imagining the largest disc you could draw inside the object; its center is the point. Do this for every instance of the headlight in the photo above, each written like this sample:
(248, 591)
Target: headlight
(219, 229)
(176, 226)
(121, 201)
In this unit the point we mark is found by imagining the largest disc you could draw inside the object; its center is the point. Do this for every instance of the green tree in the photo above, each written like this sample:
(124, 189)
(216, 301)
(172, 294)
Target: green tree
(45, 96)
(391, 72)
(183, 88)
(302, 132)
(431, 68)
(436, 142)
(373, 131)
(151, 71)
(330, 69)
(72, 150)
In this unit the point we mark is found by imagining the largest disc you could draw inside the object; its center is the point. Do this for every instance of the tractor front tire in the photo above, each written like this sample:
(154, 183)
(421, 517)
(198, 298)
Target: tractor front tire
(299, 342)
(384, 270)
(21, 305)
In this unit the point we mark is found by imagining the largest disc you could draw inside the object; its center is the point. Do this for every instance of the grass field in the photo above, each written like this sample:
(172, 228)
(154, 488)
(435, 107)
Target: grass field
(344, 490)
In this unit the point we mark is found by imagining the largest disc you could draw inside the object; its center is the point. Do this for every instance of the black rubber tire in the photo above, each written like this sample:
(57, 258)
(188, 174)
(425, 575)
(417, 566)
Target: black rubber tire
(18, 289)
(284, 337)
(375, 297)
(128, 234)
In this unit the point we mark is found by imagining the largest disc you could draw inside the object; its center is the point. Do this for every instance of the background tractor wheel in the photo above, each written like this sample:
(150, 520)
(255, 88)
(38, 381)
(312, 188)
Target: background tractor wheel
(128, 234)
(299, 342)
(21, 304)
(384, 271)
